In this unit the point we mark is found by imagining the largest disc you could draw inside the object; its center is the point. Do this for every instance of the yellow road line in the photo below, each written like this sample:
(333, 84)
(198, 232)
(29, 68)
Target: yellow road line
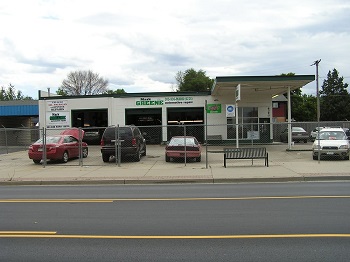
(56, 200)
(27, 232)
(177, 237)
(159, 199)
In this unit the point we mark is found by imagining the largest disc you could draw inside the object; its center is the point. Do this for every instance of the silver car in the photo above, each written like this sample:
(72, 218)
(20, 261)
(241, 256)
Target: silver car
(298, 134)
(333, 142)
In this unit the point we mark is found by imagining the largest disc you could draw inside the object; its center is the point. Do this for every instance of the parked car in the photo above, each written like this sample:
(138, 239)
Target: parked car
(333, 142)
(58, 147)
(314, 132)
(93, 135)
(347, 132)
(183, 146)
(132, 142)
(298, 134)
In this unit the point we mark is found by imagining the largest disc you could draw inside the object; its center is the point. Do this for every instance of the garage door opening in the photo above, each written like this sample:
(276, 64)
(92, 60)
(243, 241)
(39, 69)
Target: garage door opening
(92, 121)
(149, 120)
(191, 117)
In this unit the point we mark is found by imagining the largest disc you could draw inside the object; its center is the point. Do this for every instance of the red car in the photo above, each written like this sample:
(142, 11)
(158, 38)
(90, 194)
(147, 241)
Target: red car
(183, 146)
(59, 147)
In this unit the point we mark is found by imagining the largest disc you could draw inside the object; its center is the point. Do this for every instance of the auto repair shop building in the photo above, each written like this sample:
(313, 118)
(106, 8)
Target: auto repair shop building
(233, 100)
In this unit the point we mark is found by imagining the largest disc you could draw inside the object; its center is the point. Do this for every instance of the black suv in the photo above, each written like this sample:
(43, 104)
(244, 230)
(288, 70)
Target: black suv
(132, 142)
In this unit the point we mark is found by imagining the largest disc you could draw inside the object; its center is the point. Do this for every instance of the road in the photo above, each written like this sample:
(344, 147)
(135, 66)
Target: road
(228, 222)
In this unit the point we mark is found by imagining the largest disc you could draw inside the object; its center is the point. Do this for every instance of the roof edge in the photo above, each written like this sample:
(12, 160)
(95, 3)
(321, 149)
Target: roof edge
(219, 79)
(126, 95)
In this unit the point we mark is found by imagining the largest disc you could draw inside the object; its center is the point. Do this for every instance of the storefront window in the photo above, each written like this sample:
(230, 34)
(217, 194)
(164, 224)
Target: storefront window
(248, 122)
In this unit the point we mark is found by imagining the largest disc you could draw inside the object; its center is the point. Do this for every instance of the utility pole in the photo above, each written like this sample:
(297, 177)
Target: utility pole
(318, 107)
(317, 90)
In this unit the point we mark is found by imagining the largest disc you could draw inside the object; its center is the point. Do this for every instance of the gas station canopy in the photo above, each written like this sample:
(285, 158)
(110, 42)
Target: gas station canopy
(255, 85)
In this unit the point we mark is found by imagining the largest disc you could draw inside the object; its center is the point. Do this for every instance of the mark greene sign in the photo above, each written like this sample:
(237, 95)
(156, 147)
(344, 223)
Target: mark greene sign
(167, 100)
(149, 102)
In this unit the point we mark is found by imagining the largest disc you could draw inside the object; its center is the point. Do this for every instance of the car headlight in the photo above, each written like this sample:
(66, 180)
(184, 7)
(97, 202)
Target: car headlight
(344, 147)
(316, 147)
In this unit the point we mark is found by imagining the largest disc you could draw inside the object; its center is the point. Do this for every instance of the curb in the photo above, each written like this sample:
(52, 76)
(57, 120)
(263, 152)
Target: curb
(176, 181)
(326, 178)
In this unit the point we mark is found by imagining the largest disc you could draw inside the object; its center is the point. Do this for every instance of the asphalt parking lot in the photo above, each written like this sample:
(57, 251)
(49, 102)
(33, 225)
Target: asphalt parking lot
(301, 152)
(284, 165)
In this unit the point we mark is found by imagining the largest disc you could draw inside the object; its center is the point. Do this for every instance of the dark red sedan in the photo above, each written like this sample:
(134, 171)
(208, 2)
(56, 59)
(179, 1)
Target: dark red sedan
(59, 147)
(183, 147)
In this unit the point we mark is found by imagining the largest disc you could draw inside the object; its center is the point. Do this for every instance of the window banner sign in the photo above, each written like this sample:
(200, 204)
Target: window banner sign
(213, 108)
(57, 105)
(57, 119)
(230, 111)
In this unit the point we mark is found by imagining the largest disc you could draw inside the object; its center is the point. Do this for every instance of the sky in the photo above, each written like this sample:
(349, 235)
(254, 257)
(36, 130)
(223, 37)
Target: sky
(139, 45)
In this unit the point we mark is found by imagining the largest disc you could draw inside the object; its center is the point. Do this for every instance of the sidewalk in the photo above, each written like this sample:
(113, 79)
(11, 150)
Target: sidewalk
(152, 169)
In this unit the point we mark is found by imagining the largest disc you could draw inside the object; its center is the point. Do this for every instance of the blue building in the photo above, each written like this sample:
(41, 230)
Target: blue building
(19, 113)
(18, 120)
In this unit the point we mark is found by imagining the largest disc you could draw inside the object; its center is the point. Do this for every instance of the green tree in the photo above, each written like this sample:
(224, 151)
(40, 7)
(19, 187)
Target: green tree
(61, 92)
(192, 80)
(118, 91)
(288, 74)
(304, 107)
(10, 93)
(334, 98)
(83, 83)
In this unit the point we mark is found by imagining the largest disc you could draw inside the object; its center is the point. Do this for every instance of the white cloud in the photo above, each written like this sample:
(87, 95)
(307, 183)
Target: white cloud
(141, 45)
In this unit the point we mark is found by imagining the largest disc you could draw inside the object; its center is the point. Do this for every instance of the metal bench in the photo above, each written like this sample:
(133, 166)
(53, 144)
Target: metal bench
(246, 153)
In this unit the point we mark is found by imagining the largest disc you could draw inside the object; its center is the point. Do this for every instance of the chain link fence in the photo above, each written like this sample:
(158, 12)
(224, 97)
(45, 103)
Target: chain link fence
(15, 144)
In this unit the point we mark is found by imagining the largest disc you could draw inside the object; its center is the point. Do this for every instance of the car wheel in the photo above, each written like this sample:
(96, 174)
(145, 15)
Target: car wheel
(36, 161)
(167, 159)
(137, 156)
(346, 158)
(105, 158)
(315, 157)
(198, 159)
(144, 151)
(305, 141)
(65, 157)
(85, 152)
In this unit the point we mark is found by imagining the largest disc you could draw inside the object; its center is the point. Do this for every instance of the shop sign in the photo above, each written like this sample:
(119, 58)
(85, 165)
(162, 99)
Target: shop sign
(57, 105)
(253, 135)
(149, 102)
(230, 111)
(57, 119)
(178, 100)
(213, 108)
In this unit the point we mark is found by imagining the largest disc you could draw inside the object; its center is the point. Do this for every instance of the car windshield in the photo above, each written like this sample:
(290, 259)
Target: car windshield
(298, 129)
(333, 135)
(181, 141)
(49, 140)
(123, 132)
